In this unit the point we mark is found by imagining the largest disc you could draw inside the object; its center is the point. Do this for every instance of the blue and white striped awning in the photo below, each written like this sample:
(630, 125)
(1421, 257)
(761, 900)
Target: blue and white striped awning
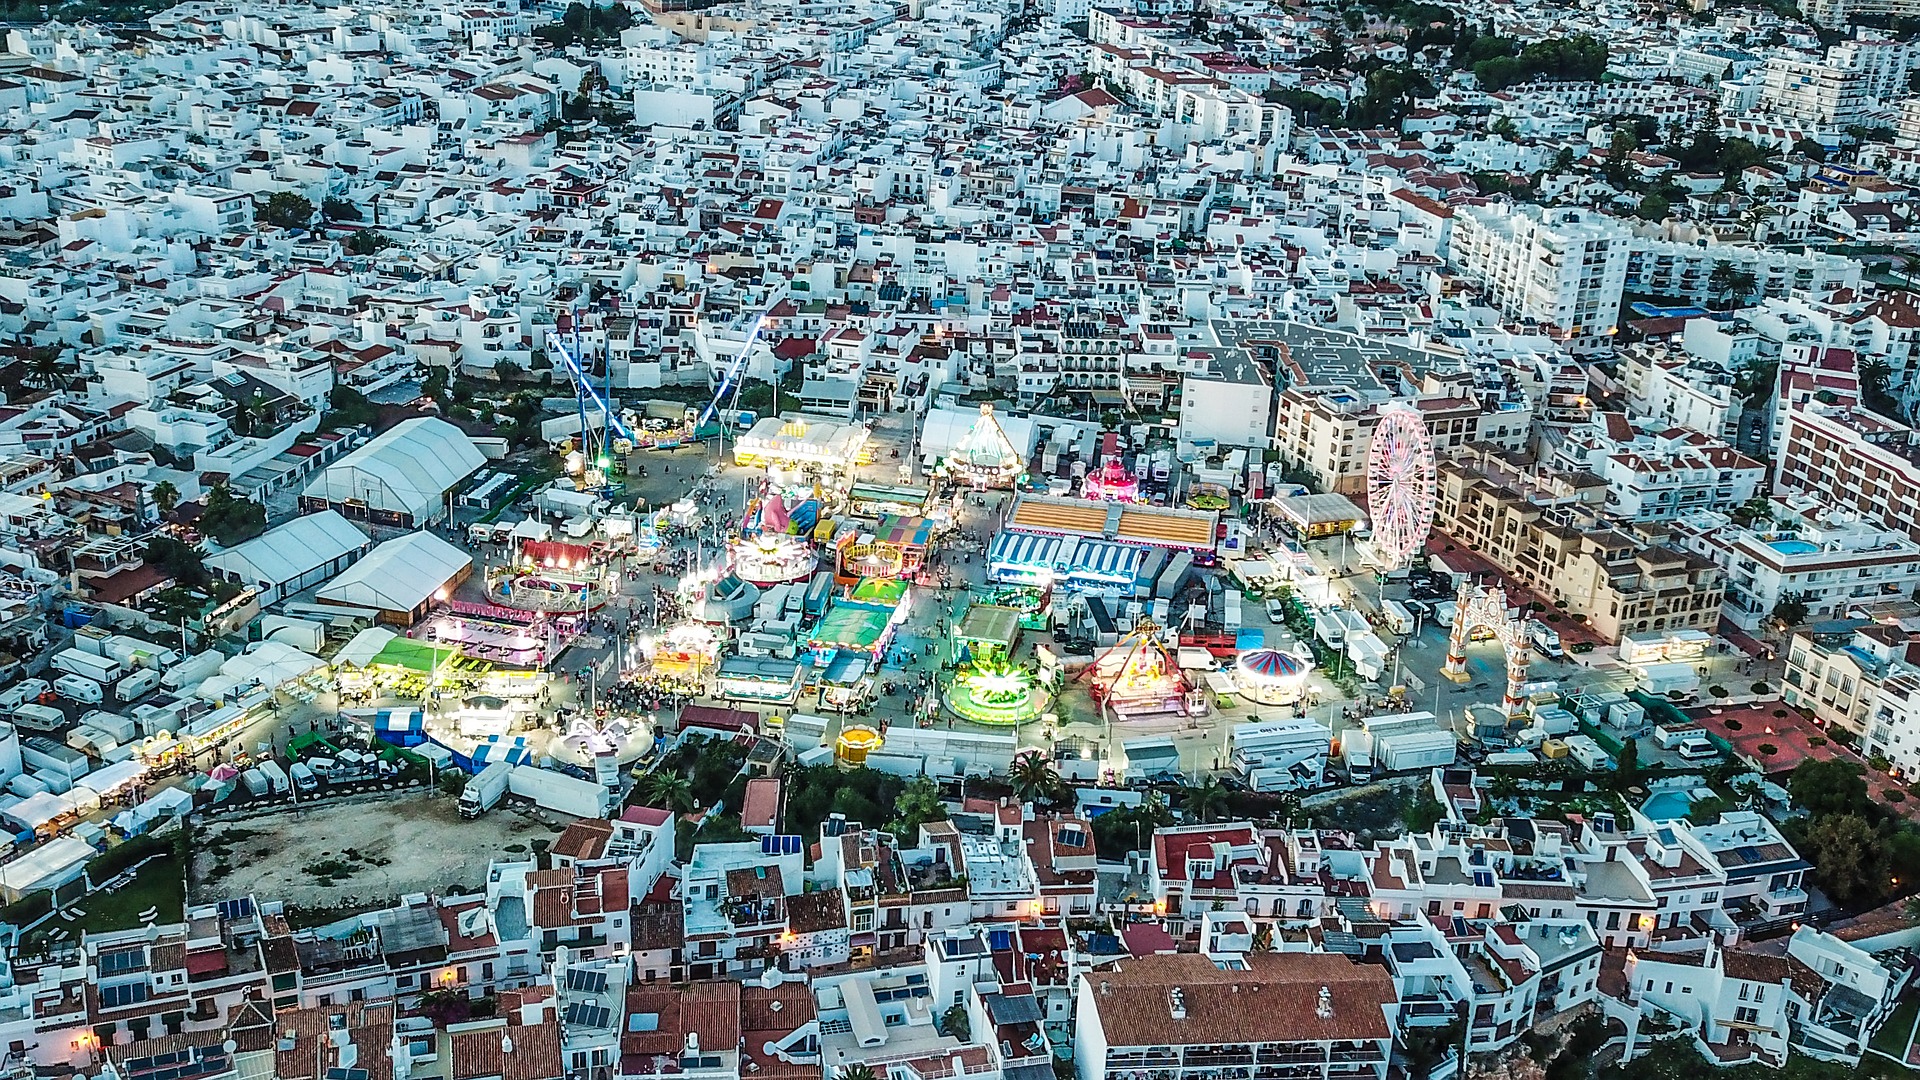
(1023, 549)
(513, 750)
(1105, 561)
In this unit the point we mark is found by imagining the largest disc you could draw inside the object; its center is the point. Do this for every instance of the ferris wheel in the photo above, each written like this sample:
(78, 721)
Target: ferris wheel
(1400, 485)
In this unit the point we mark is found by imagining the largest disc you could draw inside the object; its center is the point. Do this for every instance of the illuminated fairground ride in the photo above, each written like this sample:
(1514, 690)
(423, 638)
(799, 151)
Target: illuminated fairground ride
(684, 652)
(1401, 482)
(1139, 678)
(772, 558)
(599, 739)
(984, 457)
(996, 695)
(551, 576)
(1271, 676)
(1112, 482)
(896, 548)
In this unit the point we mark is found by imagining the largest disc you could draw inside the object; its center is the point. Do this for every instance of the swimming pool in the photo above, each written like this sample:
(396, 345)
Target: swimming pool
(1667, 806)
(1793, 547)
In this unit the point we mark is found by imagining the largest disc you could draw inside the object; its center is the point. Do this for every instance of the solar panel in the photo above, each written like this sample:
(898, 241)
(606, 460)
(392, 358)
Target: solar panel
(123, 960)
(237, 909)
(769, 845)
(587, 982)
(1483, 879)
(123, 994)
(588, 1015)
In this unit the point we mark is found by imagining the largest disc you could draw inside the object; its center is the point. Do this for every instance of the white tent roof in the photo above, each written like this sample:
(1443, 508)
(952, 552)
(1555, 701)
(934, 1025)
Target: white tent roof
(533, 529)
(45, 862)
(112, 778)
(398, 575)
(404, 469)
(283, 553)
(38, 809)
(943, 431)
(364, 647)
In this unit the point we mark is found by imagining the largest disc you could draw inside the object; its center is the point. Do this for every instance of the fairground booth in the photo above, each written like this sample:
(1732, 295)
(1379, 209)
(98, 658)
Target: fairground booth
(987, 634)
(760, 680)
(896, 548)
(862, 622)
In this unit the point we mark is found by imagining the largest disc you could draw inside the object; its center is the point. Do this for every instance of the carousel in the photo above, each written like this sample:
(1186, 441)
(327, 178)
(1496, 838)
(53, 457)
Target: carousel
(1112, 482)
(772, 558)
(1271, 676)
(596, 740)
(996, 695)
(984, 457)
(1139, 678)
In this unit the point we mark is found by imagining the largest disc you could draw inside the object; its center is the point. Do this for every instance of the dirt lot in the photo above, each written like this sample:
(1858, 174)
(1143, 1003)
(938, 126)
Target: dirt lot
(355, 852)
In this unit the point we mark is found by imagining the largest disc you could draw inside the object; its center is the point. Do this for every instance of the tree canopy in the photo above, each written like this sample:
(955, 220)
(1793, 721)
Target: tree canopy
(231, 519)
(1580, 58)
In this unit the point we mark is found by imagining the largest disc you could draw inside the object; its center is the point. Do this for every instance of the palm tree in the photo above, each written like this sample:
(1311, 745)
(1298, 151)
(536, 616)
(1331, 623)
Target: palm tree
(857, 1072)
(670, 791)
(1033, 777)
(1720, 281)
(1205, 801)
(165, 496)
(47, 367)
(1744, 283)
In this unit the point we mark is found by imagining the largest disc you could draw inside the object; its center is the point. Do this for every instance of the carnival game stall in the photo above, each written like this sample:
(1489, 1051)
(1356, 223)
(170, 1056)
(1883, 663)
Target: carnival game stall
(1032, 603)
(987, 634)
(846, 683)
(809, 444)
(760, 680)
(683, 654)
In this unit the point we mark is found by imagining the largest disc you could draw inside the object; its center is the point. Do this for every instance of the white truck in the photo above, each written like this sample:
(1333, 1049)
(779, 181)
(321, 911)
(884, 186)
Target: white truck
(1356, 750)
(1399, 619)
(570, 503)
(485, 790)
(1545, 639)
(559, 792)
(277, 780)
(1411, 751)
(101, 669)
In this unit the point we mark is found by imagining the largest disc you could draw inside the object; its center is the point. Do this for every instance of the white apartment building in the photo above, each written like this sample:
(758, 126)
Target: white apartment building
(1833, 559)
(1563, 267)
(1231, 404)
(1685, 271)
(1836, 672)
(1658, 476)
(1853, 459)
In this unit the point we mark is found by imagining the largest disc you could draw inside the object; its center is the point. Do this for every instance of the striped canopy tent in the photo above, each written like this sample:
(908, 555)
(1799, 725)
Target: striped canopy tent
(1272, 665)
(1026, 550)
(1099, 560)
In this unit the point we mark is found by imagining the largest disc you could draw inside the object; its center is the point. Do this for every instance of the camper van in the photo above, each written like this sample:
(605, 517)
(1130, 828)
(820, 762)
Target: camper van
(79, 688)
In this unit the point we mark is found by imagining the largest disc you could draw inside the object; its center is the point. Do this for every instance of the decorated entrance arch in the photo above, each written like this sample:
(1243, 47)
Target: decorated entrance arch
(1482, 607)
